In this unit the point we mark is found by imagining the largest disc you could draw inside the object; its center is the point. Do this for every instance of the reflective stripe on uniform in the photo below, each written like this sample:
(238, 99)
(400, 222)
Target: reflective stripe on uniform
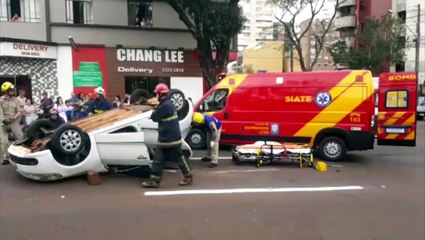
(170, 143)
(173, 117)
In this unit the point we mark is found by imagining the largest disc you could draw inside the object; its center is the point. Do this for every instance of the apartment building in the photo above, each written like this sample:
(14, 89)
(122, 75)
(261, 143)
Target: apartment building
(308, 41)
(259, 26)
(353, 13)
(408, 12)
(77, 45)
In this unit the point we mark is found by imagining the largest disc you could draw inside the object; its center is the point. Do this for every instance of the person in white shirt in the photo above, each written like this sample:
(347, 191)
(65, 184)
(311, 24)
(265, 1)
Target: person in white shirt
(30, 112)
(61, 107)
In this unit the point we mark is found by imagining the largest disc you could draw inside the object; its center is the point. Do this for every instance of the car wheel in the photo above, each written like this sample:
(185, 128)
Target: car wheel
(182, 114)
(196, 139)
(139, 96)
(332, 149)
(177, 98)
(68, 139)
(35, 129)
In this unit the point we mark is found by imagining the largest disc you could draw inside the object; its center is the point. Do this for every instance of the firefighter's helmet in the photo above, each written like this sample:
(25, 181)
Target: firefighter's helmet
(100, 91)
(162, 88)
(6, 86)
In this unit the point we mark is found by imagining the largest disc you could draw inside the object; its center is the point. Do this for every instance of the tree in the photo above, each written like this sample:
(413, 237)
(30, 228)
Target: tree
(379, 40)
(213, 24)
(291, 10)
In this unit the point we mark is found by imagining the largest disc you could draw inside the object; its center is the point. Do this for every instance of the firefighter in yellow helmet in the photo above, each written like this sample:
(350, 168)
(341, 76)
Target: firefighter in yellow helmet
(212, 127)
(10, 113)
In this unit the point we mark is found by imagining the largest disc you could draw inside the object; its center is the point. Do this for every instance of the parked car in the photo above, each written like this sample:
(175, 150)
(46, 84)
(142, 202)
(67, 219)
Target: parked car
(123, 137)
(420, 111)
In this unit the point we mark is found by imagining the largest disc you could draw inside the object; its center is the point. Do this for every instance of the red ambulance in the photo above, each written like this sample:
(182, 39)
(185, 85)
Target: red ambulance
(334, 112)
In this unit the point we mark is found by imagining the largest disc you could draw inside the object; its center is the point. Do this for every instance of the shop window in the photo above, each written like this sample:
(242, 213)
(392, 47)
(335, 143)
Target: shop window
(396, 99)
(79, 11)
(146, 83)
(140, 13)
(20, 11)
(216, 101)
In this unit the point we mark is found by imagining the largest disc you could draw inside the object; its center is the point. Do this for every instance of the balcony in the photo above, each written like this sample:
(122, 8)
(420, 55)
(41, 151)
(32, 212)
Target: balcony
(347, 3)
(345, 22)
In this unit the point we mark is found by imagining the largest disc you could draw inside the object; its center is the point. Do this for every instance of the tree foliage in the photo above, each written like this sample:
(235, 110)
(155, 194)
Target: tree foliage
(213, 24)
(291, 11)
(379, 40)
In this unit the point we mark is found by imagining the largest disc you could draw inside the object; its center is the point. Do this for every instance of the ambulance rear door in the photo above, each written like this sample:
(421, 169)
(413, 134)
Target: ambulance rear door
(397, 97)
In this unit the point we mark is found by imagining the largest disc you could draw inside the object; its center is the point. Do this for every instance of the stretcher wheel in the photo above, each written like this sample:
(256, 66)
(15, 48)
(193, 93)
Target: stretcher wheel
(236, 159)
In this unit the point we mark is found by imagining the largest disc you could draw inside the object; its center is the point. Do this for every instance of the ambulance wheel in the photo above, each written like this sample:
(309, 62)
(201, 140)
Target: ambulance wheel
(196, 139)
(332, 149)
(68, 139)
(139, 96)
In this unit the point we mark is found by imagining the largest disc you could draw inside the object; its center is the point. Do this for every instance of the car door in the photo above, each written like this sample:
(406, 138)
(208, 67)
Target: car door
(397, 94)
(123, 148)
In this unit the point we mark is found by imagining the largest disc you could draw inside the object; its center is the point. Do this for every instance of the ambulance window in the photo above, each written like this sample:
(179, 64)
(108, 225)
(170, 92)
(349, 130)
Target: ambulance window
(396, 99)
(216, 101)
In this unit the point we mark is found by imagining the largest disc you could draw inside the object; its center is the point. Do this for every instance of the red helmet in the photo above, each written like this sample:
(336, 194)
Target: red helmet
(162, 88)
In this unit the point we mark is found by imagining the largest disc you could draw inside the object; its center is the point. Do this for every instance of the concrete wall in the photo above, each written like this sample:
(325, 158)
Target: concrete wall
(64, 69)
(26, 30)
(165, 17)
(268, 57)
(115, 12)
(136, 37)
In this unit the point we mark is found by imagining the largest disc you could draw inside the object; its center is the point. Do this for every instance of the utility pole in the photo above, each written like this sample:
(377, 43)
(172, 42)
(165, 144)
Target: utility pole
(418, 41)
(417, 46)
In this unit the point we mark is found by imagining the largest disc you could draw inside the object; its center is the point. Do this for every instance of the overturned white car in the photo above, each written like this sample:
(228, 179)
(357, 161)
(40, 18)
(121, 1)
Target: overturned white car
(124, 137)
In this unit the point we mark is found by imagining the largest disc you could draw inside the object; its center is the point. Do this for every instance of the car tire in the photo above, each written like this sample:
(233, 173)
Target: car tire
(196, 139)
(332, 149)
(182, 114)
(178, 99)
(68, 139)
(34, 129)
(139, 95)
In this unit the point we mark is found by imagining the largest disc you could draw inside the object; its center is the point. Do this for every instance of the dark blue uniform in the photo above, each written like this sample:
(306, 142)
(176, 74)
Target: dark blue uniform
(169, 139)
(100, 105)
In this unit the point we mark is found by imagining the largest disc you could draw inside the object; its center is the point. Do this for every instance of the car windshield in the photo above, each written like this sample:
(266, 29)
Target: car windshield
(216, 101)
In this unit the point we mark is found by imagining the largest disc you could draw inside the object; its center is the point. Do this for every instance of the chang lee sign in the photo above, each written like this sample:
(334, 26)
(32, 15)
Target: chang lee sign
(150, 55)
(29, 50)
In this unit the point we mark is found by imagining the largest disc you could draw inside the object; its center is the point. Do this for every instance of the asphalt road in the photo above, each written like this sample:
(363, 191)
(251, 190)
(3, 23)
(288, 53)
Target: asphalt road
(387, 202)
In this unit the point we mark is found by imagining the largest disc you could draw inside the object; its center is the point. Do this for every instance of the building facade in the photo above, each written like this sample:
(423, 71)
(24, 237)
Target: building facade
(352, 14)
(408, 12)
(324, 60)
(259, 26)
(118, 44)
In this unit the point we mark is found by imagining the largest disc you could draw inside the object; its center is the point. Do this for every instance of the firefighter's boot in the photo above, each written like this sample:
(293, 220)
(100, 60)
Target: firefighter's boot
(187, 180)
(153, 182)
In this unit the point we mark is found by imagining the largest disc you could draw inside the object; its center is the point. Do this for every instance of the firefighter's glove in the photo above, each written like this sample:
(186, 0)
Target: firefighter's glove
(212, 144)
